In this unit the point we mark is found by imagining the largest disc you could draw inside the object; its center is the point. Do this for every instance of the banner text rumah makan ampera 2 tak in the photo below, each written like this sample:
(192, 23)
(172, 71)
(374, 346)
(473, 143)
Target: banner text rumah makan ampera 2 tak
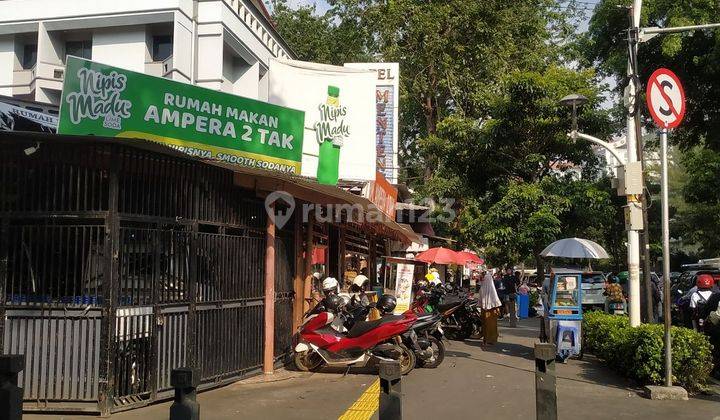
(108, 101)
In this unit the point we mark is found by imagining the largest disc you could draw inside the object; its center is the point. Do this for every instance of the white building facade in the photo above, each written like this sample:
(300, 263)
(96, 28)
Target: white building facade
(218, 44)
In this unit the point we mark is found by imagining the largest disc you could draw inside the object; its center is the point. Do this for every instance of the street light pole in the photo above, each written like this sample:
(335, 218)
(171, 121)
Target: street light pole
(633, 237)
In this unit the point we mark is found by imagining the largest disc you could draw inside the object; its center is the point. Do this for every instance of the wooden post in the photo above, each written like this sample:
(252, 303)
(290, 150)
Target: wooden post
(268, 356)
(372, 262)
(309, 249)
(545, 388)
(298, 286)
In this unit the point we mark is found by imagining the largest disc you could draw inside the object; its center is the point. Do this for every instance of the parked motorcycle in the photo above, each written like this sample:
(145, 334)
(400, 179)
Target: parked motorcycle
(424, 338)
(461, 318)
(322, 339)
(616, 308)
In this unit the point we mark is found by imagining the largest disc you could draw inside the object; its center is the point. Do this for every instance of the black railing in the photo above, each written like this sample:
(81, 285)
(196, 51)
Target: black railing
(118, 265)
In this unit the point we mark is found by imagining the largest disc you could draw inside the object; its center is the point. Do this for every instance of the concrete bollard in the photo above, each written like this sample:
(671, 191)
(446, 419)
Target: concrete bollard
(185, 406)
(390, 393)
(11, 395)
(545, 390)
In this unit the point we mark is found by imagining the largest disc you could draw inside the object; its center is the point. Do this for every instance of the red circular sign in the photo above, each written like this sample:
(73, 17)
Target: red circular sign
(665, 98)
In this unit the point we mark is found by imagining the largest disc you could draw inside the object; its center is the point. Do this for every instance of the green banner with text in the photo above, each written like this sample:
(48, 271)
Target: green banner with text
(108, 101)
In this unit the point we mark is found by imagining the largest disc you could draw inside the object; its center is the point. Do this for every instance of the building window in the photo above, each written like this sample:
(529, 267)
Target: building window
(29, 56)
(81, 49)
(162, 47)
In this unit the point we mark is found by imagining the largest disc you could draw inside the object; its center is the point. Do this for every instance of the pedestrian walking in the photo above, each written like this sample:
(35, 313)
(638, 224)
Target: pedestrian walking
(474, 280)
(509, 285)
(490, 304)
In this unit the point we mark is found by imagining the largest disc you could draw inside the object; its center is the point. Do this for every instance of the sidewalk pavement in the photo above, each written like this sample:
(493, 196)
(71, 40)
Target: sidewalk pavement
(474, 381)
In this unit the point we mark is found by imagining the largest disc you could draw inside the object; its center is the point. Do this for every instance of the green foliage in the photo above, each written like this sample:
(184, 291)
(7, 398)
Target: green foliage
(638, 352)
(481, 123)
(695, 57)
(503, 169)
(319, 37)
(699, 220)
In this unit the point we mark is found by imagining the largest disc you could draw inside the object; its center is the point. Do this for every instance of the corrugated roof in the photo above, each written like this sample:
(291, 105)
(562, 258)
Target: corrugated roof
(256, 179)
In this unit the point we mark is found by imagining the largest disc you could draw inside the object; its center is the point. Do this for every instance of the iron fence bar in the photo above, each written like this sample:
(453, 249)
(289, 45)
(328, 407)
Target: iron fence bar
(4, 262)
(191, 324)
(108, 347)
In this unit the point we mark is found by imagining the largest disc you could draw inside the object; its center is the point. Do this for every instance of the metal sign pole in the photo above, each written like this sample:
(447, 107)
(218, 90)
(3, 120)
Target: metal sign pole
(666, 254)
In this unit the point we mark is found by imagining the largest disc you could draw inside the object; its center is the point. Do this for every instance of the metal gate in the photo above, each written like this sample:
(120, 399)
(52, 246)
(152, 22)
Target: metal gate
(118, 265)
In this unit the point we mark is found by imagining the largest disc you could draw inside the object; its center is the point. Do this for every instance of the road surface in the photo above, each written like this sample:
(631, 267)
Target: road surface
(475, 381)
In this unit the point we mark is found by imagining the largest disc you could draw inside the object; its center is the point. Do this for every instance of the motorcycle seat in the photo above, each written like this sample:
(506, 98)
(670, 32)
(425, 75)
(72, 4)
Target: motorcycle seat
(425, 317)
(445, 306)
(361, 327)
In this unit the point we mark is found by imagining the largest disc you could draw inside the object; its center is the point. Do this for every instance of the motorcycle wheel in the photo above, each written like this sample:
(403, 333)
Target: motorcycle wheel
(307, 361)
(465, 332)
(438, 354)
(407, 360)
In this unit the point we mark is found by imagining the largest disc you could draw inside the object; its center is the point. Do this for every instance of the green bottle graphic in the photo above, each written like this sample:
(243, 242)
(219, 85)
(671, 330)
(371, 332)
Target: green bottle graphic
(329, 156)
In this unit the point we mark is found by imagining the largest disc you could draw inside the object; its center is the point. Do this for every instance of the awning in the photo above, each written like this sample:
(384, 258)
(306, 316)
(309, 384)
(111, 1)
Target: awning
(259, 180)
(411, 206)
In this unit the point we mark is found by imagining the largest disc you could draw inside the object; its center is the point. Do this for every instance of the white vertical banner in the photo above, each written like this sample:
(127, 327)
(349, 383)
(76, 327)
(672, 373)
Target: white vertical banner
(339, 105)
(403, 287)
(387, 100)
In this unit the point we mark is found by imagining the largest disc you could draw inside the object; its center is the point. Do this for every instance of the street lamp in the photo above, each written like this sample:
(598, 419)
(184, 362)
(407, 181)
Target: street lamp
(574, 100)
(633, 248)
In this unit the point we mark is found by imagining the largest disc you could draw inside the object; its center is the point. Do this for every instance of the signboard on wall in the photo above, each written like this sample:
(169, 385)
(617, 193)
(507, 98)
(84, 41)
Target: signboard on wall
(387, 86)
(339, 117)
(403, 287)
(381, 193)
(102, 100)
(17, 118)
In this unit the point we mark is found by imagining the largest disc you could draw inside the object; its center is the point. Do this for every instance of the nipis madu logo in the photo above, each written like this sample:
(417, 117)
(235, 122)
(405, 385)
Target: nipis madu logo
(99, 96)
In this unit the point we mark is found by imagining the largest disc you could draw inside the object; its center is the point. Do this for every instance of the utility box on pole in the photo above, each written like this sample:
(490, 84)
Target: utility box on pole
(633, 217)
(630, 179)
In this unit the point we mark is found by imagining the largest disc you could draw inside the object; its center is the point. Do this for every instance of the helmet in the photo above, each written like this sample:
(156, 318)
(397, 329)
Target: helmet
(333, 303)
(360, 283)
(386, 304)
(330, 285)
(705, 281)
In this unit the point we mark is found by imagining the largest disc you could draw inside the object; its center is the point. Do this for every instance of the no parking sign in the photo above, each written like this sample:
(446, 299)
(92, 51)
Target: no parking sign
(665, 98)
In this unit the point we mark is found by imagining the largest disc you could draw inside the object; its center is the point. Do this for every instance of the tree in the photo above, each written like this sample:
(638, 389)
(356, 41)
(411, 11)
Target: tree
(452, 56)
(700, 220)
(695, 57)
(521, 223)
(319, 37)
(480, 84)
(522, 139)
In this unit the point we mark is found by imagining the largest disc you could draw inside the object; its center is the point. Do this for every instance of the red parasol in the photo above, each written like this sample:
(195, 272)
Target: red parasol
(465, 257)
(438, 255)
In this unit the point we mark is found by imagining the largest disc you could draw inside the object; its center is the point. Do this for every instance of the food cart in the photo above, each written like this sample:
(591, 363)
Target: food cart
(565, 313)
(563, 293)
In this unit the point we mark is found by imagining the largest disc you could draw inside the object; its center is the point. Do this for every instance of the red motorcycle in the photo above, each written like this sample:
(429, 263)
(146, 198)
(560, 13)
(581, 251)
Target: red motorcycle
(323, 340)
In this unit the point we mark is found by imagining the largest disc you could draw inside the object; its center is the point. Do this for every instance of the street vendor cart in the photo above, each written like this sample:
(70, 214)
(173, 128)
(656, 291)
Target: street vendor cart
(564, 313)
(563, 295)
